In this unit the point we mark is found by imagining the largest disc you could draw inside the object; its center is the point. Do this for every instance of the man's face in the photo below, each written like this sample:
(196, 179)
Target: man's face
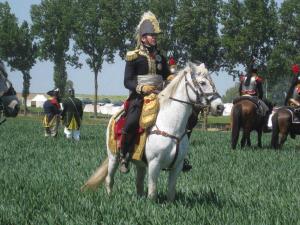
(149, 39)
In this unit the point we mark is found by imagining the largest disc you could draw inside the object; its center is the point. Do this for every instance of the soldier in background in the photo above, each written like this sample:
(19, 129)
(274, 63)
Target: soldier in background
(293, 94)
(52, 112)
(72, 115)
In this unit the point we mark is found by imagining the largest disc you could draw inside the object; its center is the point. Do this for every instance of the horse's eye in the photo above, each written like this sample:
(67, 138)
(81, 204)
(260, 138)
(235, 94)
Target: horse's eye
(203, 83)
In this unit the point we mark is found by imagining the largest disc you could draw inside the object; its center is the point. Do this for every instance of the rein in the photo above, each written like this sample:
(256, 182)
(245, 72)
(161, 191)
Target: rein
(198, 93)
(177, 141)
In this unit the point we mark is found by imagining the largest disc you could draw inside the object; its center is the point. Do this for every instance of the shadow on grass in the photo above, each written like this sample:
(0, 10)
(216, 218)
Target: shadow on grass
(190, 200)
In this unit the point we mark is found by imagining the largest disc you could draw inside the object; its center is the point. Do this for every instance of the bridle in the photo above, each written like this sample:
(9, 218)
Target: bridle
(196, 88)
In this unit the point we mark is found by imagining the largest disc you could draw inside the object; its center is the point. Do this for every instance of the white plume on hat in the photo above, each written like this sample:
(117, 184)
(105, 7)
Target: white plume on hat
(152, 18)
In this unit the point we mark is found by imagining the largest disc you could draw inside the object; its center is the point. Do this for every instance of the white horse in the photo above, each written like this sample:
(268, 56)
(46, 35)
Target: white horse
(167, 144)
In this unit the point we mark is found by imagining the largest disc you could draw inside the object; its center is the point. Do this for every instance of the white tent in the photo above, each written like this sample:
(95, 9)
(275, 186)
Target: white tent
(227, 109)
(90, 108)
(110, 109)
(37, 101)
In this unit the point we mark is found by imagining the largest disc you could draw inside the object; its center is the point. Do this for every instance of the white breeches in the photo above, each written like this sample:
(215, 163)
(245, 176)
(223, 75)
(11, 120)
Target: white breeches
(72, 134)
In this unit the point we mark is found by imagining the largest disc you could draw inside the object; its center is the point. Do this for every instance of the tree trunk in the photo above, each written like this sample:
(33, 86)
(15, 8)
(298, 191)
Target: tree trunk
(25, 92)
(60, 74)
(96, 93)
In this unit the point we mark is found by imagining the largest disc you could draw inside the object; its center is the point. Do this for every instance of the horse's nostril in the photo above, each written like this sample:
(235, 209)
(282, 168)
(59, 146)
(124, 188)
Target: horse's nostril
(220, 107)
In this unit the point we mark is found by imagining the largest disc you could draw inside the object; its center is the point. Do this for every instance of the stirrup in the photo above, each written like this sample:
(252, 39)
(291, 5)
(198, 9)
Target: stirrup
(186, 166)
(124, 166)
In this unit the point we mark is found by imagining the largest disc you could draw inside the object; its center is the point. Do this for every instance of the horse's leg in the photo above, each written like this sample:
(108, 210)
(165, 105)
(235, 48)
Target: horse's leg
(275, 131)
(282, 138)
(140, 177)
(112, 167)
(284, 129)
(235, 125)
(154, 170)
(173, 174)
(234, 137)
(248, 140)
(259, 134)
(243, 140)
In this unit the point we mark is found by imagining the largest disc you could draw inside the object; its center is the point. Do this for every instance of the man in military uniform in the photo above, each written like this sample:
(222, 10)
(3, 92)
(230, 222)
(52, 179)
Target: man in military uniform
(72, 115)
(252, 85)
(52, 113)
(293, 95)
(146, 69)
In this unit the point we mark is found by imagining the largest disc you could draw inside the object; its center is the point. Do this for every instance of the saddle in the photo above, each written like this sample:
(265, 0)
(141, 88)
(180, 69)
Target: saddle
(147, 119)
(295, 112)
(260, 108)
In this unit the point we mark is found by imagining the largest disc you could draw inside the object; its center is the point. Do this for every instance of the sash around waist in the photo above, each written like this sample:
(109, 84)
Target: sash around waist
(150, 79)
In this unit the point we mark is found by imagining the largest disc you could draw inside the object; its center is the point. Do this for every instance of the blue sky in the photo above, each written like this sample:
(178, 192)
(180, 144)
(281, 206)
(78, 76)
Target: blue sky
(110, 80)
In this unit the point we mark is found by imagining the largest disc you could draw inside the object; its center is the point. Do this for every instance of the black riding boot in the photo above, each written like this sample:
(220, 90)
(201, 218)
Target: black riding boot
(125, 153)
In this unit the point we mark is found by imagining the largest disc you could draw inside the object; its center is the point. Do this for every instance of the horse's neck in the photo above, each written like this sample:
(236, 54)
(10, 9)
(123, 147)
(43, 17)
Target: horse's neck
(173, 118)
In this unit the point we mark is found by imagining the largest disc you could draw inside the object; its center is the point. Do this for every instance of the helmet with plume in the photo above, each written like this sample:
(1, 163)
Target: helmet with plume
(147, 25)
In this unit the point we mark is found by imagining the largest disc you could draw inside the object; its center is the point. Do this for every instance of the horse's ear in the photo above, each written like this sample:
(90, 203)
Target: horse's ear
(192, 67)
(197, 62)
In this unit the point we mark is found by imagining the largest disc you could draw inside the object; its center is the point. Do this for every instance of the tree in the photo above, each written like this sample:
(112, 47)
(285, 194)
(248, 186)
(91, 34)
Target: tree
(53, 25)
(69, 85)
(16, 46)
(97, 30)
(24, 57)
(231, 93)
(8, 32)
(249, 30)
(196, 32)
(166, 12)
(130, 17)
(287, 49)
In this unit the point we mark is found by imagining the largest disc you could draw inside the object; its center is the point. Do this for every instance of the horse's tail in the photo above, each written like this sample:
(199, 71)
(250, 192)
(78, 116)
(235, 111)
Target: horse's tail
(97, 178)
(275, 131)
(236, 117)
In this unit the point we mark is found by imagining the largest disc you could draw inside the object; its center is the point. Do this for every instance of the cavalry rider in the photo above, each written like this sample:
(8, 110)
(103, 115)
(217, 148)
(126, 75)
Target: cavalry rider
(146, 69)
(252, 85)
(72, 115)
(293, 95)
(52, 113)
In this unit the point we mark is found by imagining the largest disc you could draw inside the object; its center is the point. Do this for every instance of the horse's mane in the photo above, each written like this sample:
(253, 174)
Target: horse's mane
(171, 88)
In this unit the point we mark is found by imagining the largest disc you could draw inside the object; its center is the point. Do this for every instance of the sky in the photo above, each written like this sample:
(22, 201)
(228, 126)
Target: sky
(110, 80)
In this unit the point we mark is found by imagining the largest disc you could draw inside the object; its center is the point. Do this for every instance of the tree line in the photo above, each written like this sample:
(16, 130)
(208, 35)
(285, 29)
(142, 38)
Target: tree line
(225, 35)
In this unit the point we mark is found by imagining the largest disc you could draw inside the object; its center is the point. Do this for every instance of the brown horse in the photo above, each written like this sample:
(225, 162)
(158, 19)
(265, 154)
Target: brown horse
(244, 116)
(282, 125)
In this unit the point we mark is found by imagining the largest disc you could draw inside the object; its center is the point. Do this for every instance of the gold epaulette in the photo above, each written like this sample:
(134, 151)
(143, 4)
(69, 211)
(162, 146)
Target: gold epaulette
(132, 55)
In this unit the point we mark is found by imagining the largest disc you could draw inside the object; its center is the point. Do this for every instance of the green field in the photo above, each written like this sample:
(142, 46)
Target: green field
(40, 180)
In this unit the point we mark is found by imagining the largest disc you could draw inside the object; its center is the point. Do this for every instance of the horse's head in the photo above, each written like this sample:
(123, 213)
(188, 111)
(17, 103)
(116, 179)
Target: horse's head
(203, 89)
(8, 100)
(11, 105)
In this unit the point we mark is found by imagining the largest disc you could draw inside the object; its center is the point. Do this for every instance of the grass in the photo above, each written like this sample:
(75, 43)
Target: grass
(40, 180)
